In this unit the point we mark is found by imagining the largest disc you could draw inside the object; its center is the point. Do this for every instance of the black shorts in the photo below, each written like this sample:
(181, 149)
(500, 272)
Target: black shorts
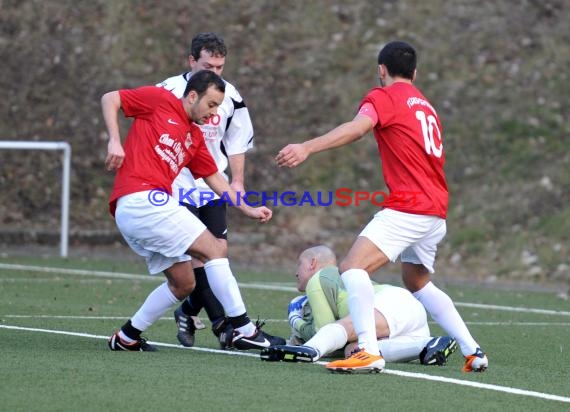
(213, 215)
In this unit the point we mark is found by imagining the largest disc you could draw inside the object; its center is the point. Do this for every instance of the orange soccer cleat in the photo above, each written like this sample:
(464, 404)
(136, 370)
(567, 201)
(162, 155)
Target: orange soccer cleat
(360, 360)
(477, 362)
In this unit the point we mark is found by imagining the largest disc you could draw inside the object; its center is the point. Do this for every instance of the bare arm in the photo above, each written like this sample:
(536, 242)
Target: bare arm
(219, 185)
(294, 154)
(110, 105)
(237, 165)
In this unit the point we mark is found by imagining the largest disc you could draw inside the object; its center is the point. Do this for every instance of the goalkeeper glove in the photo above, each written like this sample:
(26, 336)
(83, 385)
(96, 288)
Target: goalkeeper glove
(295, 310)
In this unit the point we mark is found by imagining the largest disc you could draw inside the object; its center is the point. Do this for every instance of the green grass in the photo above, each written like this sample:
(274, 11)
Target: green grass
(58, 372)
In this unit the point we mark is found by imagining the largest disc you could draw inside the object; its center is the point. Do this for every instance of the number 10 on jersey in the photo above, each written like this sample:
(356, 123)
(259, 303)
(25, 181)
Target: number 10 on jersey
(431, 132)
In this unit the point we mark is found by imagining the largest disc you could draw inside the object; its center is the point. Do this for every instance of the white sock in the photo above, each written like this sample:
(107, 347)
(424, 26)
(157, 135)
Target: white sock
(156, 304)
(361, 306)
(328, 339)
(125, 338)
(225, 287)
(402, 348)
(442, 310)
(247, 330)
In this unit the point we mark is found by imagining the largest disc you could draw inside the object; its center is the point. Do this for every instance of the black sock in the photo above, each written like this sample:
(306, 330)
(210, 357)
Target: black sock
(239, 321)
(216, 322)
(201, 279)
(188, 308)
(130, 331)
(213, 307)
(193, 304)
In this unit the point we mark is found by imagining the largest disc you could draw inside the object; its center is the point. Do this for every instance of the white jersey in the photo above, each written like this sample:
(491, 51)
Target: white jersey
(229, 132)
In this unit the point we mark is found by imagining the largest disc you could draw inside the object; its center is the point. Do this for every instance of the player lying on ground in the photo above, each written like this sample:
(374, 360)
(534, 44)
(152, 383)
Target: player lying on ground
(320, 320)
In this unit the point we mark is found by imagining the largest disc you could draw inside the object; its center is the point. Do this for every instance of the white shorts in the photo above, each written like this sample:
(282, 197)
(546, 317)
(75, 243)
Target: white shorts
(161, 234)
(405, 315)
(415, 237)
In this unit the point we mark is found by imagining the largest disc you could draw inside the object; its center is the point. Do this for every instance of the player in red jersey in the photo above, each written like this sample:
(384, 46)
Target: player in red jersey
(161, 141)
(409, 137)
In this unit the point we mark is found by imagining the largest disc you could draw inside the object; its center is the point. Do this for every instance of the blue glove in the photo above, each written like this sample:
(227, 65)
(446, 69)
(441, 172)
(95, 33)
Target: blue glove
(295, 309)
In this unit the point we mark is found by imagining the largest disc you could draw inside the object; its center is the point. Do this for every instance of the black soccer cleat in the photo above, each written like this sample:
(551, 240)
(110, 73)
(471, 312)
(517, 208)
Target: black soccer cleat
(273, 340)
(224, 331)
(225, 338)
(186, 329)
(289, 353)
(220, 326)
(255, 341)
(258, 340)
(438, 350)
(116, 343)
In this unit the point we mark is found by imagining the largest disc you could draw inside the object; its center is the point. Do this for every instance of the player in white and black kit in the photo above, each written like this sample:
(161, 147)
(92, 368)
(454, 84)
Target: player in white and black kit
(228, 135)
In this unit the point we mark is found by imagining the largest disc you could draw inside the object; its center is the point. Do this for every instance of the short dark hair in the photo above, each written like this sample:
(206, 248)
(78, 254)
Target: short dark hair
(399, 58)
(210, 42)
(202, 80)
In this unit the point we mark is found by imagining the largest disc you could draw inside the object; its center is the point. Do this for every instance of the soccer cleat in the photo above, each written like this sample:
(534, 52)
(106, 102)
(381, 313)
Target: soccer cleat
(224, 331)
(116, 343)
(186, 328)
(438, 350)
(289, 353)
(255, 341)
(273, 340)
(225, 338)
(477, 362)
(220, 326)
(359, 361)
(258, 340)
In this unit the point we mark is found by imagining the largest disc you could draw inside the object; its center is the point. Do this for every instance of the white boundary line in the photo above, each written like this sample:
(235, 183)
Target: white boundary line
(86, 317)
(479, 385)
(415, 375)
(513, 309)
(260, 286)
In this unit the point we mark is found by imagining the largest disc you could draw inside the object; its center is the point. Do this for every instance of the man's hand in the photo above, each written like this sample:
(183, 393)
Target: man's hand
(110, 105)
(295, 309)
(221, 187)
(115, 155)
(261, 213)
(292, 155)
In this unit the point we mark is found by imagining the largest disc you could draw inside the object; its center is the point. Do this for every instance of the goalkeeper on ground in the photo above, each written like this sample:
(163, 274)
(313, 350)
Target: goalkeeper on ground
(320, 319)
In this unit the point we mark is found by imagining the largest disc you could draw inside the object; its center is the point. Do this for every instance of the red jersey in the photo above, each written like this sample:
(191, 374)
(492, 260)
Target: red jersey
(161, 141)
(409, 138)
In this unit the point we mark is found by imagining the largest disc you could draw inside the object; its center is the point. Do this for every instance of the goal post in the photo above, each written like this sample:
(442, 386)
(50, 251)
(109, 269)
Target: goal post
(65, 179)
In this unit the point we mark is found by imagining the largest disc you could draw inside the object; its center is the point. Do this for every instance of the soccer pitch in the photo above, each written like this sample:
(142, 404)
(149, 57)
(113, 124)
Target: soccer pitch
(56, 315)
